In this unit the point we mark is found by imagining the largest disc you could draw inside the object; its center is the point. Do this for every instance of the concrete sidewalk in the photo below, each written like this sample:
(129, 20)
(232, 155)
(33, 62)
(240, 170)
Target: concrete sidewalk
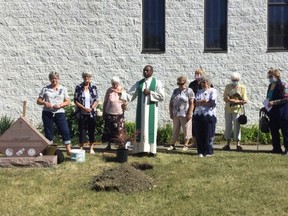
(163, 148)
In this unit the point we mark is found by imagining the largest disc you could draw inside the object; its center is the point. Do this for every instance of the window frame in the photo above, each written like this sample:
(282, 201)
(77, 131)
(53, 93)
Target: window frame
(223, 48)
(274, 48)
(163, 35)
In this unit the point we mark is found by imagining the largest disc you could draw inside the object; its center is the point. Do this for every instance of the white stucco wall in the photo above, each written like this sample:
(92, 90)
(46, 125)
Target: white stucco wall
(104, 36)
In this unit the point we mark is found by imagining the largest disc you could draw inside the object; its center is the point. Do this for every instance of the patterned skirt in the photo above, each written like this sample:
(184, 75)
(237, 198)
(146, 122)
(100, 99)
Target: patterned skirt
(114, 129)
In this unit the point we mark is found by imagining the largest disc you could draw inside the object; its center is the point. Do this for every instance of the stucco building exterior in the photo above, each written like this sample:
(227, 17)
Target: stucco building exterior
(107, 38)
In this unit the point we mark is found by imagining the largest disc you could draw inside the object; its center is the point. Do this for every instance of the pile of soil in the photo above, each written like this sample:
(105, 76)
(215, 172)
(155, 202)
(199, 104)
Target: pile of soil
(125, 178)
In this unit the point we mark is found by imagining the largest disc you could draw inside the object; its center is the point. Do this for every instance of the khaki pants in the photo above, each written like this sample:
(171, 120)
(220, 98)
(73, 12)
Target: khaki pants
(178, 123)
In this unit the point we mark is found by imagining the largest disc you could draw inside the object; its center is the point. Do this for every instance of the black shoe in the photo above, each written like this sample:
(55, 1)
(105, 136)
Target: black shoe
(151, 155)
(276, 151)
(226, 147)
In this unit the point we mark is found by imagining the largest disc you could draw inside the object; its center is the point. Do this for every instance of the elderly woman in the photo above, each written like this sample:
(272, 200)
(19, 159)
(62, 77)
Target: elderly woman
(277, 95)
(114, 130)
(181, 110)
(235, 97)
(195, 85)
(54, 97)
(86, 99)
(204, 118)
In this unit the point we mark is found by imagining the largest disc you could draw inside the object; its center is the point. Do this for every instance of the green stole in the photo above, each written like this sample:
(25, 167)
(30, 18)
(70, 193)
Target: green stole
(152, 105)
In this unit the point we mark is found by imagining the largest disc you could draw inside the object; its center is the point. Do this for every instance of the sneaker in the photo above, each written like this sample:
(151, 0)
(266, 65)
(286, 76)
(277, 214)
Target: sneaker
(92, 151)
(226, 147)
(209, 155)
(171, 148)
(200, 155)
(185, 148)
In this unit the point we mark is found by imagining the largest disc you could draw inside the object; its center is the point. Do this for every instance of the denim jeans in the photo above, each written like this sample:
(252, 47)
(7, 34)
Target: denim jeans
(59, 119)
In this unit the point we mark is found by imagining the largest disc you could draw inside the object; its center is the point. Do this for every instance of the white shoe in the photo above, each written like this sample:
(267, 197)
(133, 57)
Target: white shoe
(171, 148)
(185, 148)
(92, 151)
(200, 155)
(208, 155)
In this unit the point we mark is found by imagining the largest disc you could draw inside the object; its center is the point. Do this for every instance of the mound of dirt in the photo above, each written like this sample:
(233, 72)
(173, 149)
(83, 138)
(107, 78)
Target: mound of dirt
(124, 178)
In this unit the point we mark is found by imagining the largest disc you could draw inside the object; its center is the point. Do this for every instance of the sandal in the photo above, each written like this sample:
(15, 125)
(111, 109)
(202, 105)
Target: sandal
(108, 148)
(239, 148)
(226, 147)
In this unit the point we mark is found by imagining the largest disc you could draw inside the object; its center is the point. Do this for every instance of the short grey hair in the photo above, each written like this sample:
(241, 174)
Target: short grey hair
(86, 73)
(53, 74)
(115, 80)
(235, 76)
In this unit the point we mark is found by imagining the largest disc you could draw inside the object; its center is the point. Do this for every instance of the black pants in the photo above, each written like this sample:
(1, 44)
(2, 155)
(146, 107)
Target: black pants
(204, 133)
(277, 124)
(86, 123)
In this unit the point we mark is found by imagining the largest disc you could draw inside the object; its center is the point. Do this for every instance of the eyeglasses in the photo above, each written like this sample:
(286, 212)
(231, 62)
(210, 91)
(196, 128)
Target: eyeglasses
(180, 83)
(234, 80)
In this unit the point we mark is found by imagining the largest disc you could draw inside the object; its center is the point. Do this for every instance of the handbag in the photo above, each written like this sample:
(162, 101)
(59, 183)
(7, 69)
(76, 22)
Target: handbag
(242, 119)
(263, 122)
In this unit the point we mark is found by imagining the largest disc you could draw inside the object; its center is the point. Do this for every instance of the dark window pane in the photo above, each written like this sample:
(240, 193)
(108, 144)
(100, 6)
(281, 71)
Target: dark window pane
(216, 25)
(278, 25)
(278, 1)
(153, 25)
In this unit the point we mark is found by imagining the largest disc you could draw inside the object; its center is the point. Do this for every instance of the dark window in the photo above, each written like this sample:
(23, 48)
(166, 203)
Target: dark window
(278, 25)
(215, 25)
(153, 26)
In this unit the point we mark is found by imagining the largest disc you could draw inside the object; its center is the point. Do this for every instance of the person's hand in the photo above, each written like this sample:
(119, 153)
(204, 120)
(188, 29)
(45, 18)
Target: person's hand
(233, 101)
(56, 106)
(146, 91)
(47, 104)
(188, 116)
(87, 109)
(118, 89)
(270, 104)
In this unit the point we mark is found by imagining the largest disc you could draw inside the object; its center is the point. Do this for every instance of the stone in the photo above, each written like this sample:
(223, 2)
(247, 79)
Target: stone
(40, 161)
(22, 140)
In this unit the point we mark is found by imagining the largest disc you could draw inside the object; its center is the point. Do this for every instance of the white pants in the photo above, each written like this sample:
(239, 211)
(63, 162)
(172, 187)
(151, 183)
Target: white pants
(230, 120)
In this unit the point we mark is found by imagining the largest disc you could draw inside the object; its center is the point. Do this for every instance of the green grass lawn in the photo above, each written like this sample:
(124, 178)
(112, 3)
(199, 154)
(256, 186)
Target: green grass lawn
(229, 183)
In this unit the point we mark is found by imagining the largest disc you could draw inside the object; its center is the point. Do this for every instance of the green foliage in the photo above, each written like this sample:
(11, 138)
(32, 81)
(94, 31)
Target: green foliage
(72, 122)
(249, 134)
(99, 122)
(164, 134)
(130, 129)
(5, 123)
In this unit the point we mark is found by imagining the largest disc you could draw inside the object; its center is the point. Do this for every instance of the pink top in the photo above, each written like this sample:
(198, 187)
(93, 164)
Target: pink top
(113, 105)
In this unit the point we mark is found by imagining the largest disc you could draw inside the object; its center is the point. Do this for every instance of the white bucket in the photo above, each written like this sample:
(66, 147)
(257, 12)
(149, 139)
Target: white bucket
(78, 155)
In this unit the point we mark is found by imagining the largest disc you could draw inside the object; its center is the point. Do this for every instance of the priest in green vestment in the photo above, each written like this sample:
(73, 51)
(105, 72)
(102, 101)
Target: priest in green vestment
(148, 91)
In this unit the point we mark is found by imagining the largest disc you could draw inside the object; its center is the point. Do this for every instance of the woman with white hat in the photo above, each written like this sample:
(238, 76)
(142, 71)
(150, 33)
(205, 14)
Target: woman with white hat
(235, 96)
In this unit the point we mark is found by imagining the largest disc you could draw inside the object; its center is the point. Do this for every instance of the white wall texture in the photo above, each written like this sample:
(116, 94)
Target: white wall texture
(105, 37)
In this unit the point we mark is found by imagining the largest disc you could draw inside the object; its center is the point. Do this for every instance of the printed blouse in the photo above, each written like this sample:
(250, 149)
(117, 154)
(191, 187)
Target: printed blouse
(54, 97)
(181, 101)
(79, 96)
(209, 95)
